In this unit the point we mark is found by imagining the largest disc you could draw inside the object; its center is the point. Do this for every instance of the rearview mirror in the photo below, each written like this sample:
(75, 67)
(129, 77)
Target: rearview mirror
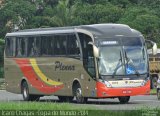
(154, 49)
(154, 46)
(95, 49)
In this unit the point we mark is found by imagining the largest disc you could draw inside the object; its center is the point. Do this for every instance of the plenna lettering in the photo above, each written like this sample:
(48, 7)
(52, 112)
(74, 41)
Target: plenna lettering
(62, 67)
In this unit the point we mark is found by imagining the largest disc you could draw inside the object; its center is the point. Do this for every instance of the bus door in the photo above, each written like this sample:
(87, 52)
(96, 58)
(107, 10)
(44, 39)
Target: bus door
(89, 72)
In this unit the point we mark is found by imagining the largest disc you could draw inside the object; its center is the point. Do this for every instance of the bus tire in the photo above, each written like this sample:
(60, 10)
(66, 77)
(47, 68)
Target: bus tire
(154, 83)
(158, 93)
(65, 98)
(124, 100)
(78, 94)
(26, 95)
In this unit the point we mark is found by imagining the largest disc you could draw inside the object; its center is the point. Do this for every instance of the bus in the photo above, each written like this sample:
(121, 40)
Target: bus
(87, 61)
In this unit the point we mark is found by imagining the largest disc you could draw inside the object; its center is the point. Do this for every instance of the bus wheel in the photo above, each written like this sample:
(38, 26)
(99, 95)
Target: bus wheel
(153, 82)
(65, 98)
(79, 96)
(124, 100)
(158, 93)
(26, 95)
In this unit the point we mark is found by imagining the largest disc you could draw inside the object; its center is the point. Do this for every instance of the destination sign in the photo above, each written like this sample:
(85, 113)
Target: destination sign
(109, 42)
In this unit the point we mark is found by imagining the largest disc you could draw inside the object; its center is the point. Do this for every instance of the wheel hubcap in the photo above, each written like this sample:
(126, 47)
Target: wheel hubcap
(79, 95)
(25, 92)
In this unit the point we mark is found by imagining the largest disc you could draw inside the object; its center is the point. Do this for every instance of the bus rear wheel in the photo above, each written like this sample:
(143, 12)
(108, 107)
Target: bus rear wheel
(124, 100)
(26, 95)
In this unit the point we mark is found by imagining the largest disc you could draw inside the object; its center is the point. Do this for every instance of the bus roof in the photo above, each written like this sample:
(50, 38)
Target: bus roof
(98, 30)
(40, 31)
(111, 30)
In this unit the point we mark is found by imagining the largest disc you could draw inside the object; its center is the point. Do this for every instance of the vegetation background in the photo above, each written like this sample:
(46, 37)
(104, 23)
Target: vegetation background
(143, 15)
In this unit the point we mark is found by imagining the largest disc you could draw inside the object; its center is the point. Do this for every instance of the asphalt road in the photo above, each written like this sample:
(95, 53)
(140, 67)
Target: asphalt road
(135, 102)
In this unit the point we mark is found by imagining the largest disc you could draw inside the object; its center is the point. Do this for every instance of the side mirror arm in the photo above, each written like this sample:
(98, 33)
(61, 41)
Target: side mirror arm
(95, 49)
(154, 46)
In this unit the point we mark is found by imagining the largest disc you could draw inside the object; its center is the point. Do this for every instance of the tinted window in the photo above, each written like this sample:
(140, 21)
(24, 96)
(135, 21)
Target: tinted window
(47, 45)
(21, 49)
(88, 58)
(34, 45)
(10, 46)
(73, 47)
(60, 45)
(131, 41)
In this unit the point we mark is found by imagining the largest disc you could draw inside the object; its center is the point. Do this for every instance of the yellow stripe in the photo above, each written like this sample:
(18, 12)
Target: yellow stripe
(41, 75)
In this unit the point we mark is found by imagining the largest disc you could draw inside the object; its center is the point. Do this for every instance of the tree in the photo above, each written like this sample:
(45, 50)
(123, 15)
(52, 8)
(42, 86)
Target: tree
(15, 13)
(151, 4)
(144, 20)
(97, 13)
(63, 13)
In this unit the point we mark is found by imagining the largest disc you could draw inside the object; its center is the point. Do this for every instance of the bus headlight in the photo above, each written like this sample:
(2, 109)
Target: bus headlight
(107, 84)
(143, 83)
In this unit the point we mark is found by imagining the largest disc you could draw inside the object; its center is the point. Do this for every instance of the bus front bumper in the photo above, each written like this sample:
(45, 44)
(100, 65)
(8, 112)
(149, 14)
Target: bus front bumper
(105, 92)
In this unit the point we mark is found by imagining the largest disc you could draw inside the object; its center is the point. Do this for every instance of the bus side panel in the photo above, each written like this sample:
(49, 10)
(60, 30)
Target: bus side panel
(78, 74)
(12, 75)
(66, 70)
(48, 76)
(89, 90)
(37, 81)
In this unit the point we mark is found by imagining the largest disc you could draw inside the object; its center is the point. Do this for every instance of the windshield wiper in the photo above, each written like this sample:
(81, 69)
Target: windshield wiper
(130, 62)
(119, 64)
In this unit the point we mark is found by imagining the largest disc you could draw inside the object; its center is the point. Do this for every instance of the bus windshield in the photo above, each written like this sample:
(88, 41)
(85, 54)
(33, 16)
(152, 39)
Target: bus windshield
(122, 57)
(110, 58)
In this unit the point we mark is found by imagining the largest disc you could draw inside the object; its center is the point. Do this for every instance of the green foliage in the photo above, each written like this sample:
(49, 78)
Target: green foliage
(40, 106)
(64, 14)
(2, 42)
(144, 20)
(97, 13)
(35, 108)
(15, 12)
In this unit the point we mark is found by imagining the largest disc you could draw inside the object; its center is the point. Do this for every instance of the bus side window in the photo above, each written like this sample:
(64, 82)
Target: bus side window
(73, 47)
(47, 45)
(63, 44)
(10, 47)
(60, 46)
(21, 49)
(56, 46)
(34, 44)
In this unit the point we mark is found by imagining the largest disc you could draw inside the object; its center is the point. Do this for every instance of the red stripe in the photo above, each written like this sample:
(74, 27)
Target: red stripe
(33, 79)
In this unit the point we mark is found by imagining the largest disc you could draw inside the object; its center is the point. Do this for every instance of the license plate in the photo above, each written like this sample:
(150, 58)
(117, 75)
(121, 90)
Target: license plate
(126, 91)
